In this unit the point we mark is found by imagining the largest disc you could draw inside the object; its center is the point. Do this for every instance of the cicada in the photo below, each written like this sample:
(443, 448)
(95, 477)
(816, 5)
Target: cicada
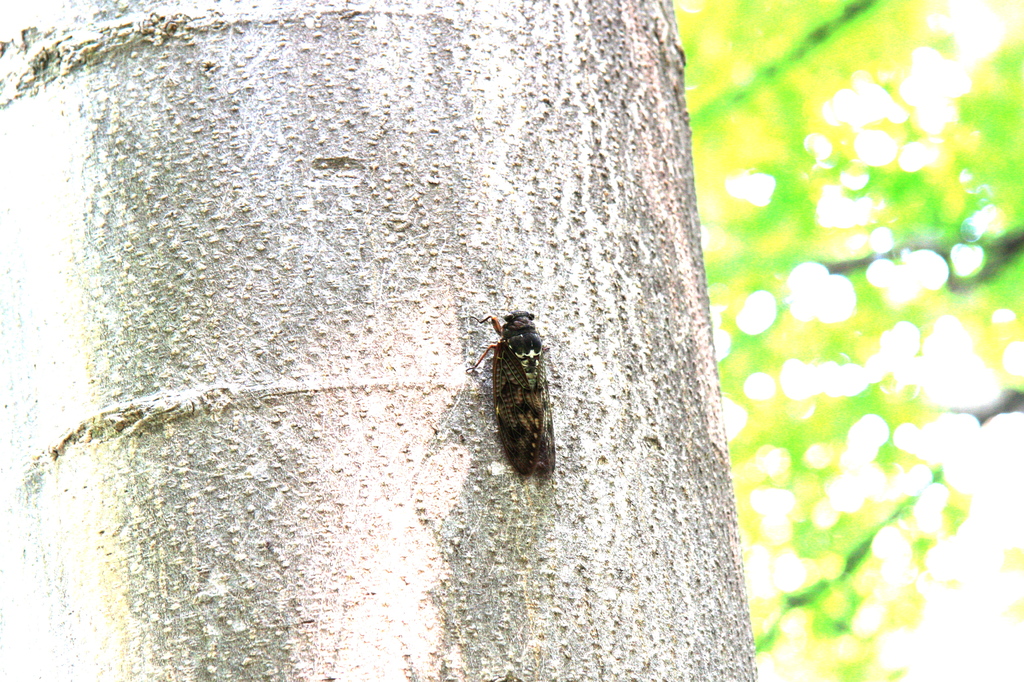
(521, 400)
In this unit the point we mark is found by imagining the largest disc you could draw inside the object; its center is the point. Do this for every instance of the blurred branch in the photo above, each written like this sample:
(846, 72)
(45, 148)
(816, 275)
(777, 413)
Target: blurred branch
(854, 560)
(844, 267)
(999, 254)
(817, 37)
(1009, 401)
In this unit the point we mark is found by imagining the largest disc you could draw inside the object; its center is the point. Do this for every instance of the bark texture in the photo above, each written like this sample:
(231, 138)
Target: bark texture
(243, 247)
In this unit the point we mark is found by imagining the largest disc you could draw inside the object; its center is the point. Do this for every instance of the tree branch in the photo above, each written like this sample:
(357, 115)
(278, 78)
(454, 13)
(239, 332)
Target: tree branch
(814, 39)
(854, 560)
(1009, 401)
(1000, 253)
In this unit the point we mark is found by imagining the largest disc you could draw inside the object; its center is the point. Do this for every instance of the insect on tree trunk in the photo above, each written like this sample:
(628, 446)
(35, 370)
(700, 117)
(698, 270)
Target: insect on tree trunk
(244, 251)
(522, 402)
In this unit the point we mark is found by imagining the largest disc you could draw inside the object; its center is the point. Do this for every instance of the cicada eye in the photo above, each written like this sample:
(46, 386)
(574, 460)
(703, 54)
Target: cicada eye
(509, 318)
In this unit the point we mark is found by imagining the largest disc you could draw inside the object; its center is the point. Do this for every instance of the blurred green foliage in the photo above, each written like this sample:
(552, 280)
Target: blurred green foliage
(893, 131)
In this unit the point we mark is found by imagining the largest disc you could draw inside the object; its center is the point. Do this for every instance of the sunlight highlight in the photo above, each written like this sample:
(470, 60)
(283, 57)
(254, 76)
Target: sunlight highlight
(789, 573)
(928, 268)
(835, 209)
(948, 369)
(863, 440)
(898, 348)
(916, 155)
(971, 577)
(756, 188)
(847, 492)
(1013, 358)
(759, 386)
(735, 418)
(875, 147)
(818, 145)
(863, 104)
(817, 294)
(978, 31)
(920, 270)
(881, 240)
(801, 381)
(929, 507)
(854, 179)
(720, 337)
(758, 313)
(772, 501)
(967, 258)
(870, 432)
(933, 83)
(950, 372)
(986, 219)
(1003, 316)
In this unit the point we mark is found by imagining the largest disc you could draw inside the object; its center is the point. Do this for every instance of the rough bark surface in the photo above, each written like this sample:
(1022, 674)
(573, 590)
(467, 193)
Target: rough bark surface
(242, 251)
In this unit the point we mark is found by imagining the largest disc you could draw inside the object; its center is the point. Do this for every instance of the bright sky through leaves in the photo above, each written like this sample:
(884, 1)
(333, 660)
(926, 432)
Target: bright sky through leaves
(858, 176)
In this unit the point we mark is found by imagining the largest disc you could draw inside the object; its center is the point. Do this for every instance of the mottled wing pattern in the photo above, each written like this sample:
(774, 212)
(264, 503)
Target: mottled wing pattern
(544, 462)
(524, 414)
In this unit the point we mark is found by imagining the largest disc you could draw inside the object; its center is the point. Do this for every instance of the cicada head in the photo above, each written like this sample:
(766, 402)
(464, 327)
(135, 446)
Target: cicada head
(516, 323)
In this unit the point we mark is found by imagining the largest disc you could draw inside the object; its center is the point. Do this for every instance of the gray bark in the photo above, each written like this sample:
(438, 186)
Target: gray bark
(242, 251)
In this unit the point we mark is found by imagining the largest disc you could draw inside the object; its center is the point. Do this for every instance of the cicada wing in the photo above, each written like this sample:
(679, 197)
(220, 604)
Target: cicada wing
(524, 414)
(544, 460)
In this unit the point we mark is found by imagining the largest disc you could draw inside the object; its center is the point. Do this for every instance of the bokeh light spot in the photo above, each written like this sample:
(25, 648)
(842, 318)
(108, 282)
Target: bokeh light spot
(875, 147)
(820, 295)
(723, 343)
(863, 104)
(967, 258)
(986, 219)
(735, 418)
(950, 372)
(977, 29)
(922, 269)
(907, 437)
(928, 510)
(758, 313)
(772, 501)
(1013, 358)
(928, 267)
(790, 572)
(756, 188)
(818, 145)
(854, 180)
(801, 381)
(834, 209)
(916, 155)
(759, 386)
(881, 240)
(1003, 316)
(870, 431)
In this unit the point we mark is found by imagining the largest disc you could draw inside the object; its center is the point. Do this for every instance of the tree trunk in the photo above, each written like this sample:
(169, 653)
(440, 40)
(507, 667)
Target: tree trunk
(242, 257)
